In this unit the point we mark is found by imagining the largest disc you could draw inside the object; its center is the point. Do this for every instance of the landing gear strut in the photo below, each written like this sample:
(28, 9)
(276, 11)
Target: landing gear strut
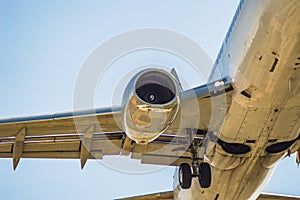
(199, 169)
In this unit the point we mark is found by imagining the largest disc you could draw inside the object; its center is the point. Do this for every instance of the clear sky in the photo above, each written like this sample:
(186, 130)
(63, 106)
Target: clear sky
(42, 47)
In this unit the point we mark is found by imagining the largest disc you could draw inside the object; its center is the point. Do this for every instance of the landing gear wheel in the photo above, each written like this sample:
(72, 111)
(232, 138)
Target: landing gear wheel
(204, 175)
(185, 176)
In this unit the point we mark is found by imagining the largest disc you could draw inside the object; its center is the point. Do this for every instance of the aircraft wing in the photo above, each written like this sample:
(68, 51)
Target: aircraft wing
(169, 195)
(92, 134)
(265, 196)
(156, 196)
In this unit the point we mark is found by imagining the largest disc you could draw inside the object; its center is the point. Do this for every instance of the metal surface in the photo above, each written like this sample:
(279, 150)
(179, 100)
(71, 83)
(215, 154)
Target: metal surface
(58, 135)
(147, 112)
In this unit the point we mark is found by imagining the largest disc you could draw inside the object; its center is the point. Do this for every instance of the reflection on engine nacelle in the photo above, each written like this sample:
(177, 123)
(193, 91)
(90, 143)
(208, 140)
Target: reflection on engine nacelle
(150, 104)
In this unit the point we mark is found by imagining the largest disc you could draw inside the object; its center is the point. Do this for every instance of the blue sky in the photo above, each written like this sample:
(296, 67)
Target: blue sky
(42, 47)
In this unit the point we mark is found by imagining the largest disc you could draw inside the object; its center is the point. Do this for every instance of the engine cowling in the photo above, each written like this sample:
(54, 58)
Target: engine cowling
(150, 104)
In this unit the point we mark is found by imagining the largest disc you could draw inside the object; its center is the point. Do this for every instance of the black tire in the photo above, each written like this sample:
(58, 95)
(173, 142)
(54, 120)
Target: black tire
(204, 175)
(185, 176)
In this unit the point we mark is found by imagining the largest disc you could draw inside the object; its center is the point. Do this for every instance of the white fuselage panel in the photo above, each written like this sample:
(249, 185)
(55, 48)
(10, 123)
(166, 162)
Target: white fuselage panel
(260, 54)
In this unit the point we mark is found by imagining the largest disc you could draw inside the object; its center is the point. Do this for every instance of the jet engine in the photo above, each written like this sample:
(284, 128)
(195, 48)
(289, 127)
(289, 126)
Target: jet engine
(150, 103)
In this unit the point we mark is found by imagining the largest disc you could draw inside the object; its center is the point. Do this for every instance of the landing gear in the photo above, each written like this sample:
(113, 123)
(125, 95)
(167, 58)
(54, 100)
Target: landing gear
(199, 169)
(185, 176)
(203, 173)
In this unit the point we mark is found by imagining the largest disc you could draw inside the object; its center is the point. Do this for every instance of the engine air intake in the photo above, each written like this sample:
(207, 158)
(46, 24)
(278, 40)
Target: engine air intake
(155, 88)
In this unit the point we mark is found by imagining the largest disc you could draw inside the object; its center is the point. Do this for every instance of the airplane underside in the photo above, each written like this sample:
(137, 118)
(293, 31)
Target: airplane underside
(225, 137)
(262, 124)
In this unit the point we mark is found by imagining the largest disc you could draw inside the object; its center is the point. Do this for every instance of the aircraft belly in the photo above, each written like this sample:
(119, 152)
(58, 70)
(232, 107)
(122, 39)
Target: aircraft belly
(248, 124)
(261, 57)
(265, 107)
(243, 182)
(244, 123)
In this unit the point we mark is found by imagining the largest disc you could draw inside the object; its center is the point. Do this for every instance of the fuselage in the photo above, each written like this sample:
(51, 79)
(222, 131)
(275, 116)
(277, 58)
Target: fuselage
(261, 55)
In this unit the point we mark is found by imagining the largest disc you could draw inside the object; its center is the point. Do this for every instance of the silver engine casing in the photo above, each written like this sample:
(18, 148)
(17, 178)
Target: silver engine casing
(150, 104)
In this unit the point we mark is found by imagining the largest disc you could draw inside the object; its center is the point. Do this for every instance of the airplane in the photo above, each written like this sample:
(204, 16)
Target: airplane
(254, 88)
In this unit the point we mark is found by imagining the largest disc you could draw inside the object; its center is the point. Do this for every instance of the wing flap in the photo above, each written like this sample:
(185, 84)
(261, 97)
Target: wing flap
(63, 149)
(51, 146)
(164, 159)
(6, 148)
(54, 155)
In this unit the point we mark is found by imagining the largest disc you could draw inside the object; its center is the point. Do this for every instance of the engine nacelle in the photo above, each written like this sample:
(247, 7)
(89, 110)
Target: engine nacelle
(150, 104)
